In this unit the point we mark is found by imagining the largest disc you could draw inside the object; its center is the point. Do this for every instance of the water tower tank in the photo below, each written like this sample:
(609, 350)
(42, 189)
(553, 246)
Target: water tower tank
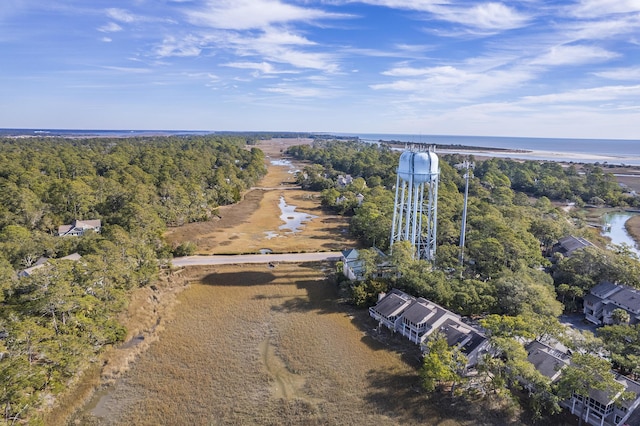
(421, 166)
(416, 203)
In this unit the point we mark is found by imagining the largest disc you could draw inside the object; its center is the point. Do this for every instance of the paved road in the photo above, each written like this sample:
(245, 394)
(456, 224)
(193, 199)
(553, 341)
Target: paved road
(255, 258)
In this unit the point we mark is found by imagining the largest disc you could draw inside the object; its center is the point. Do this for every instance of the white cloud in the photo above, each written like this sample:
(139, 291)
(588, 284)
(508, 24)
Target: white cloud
(603, 28)
(189, 46)
(111, 27)
(263, 67)
(106, 39)
(296, 91)
(485, 16)
(451, 84)
(128, 70)
(629, 73)
(599, 8)
(254, 14)
(120, 15)
(596, 94)
(488, 16)
(274, 45)
(574, 55)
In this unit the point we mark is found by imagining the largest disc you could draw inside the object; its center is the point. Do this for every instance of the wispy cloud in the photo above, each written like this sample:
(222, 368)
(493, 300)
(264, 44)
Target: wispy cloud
(599, 8)
(484, 16)
(488, 16)
(296, 91)
(120, 15)
(171, 46)
(574, 55)
(596, 94)
(254, 14)
(454, 84)
(129, 70)
(263, 67)
(628, 73)
(111, 27)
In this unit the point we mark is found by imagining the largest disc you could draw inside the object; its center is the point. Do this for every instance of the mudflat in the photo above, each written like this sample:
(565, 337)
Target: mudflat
(255, 223)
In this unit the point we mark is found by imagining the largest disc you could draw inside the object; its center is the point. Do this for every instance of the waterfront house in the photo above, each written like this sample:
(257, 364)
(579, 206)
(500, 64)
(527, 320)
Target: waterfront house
(390, 307)
(353, 266)
(568, 245)
(418, 318)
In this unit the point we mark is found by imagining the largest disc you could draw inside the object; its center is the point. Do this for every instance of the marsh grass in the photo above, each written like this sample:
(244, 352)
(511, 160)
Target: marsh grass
(249, 345)
(244, 227)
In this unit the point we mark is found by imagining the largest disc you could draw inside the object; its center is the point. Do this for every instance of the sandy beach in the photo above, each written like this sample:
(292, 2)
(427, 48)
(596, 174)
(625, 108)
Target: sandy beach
(564, 157)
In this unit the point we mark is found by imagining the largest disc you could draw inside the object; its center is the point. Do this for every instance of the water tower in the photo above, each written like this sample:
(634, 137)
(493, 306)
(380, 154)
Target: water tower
(415, 214)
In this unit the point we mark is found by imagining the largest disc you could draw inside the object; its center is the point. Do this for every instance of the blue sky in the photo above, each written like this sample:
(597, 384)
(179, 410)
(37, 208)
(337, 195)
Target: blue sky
(550, 68)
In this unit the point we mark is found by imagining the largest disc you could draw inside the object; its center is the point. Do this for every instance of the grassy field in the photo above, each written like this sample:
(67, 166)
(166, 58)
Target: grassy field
(252, 345)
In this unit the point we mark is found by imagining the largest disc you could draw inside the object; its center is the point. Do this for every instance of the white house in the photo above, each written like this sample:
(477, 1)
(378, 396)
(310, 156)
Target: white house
(353, 266)
(79, 227)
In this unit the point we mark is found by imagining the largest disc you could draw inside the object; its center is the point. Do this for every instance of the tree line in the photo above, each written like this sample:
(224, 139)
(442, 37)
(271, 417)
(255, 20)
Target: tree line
(55, 321)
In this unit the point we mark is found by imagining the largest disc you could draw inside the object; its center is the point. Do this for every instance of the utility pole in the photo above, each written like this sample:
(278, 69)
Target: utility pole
(467, 175)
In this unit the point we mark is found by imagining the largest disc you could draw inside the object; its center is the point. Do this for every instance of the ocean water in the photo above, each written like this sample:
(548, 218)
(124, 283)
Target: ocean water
(611, 151)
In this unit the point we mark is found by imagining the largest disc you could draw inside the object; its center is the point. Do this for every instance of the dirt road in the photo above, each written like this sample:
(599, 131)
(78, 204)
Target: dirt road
(256, 258)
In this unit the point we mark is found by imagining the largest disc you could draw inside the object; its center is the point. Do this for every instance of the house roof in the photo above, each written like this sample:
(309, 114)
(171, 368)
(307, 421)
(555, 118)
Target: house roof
(72, 256)
(458, 333)
(43, 261)
(605, 289)
(570, 244)
(627, 298)
(351, 254)
(393, 304)
(419, 310)
(592, 298)
(630, 386)
(545, 359)
(80, 225)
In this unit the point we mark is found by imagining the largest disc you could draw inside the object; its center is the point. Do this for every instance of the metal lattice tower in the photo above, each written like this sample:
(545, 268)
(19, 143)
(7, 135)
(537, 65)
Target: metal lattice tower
(415, 214)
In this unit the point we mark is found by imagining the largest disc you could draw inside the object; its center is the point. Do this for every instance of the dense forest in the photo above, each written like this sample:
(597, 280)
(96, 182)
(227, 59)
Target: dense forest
(56, 320)
(509, 280)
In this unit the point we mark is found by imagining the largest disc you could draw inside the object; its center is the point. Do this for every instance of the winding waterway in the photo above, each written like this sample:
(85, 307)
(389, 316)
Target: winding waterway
(617, 231)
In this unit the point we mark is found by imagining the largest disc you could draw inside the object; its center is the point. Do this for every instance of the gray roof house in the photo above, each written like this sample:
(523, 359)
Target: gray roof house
(603, 408)
(547, 360)
(390, 307)
(78, 228)
(568, 245)
(604, 298)
(418, 318)
(43, 261)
